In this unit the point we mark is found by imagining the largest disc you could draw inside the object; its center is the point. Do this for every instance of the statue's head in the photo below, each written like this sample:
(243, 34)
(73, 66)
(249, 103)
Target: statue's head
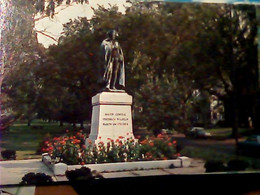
(112, 34)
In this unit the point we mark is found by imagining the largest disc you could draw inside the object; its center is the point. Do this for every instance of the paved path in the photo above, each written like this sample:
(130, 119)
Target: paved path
(12, 172)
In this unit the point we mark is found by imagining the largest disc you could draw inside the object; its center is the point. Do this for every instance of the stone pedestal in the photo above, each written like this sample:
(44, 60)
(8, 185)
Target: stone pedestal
(111, 117)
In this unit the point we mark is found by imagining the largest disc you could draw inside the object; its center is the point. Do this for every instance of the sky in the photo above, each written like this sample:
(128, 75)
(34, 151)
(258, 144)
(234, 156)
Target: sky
(53, 27)
(219, 1)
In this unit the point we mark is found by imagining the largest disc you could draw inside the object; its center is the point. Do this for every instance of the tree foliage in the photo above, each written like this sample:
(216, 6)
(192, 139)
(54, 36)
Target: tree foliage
(170, 51)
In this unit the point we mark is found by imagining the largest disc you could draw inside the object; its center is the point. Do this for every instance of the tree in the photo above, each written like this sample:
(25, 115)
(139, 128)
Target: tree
(178, 49)
(18, 37)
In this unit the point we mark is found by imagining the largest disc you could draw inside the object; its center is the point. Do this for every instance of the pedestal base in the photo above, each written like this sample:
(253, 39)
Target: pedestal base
(111, 117)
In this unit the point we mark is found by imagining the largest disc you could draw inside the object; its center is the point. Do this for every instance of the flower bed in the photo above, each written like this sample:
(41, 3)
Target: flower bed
(71, 150)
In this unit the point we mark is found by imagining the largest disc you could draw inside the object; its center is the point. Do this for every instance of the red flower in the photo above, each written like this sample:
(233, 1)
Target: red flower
(84, 146)
(102, 143)
(99, 137)
(81, 131)
(82, 163)
(91, 54)
(89, 141)
(174, 142)
(169, 144)
(67, 131)
(178, 154)
(159, 135)
(121, 137)
(151, 144)
(144, 142)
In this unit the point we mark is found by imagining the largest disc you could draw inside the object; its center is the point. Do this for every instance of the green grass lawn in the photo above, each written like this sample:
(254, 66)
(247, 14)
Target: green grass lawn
(210, 154)
(227, 132)
(25, 140)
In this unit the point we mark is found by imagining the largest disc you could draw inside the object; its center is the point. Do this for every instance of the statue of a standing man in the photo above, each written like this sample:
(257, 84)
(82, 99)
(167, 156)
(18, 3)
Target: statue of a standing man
(113, 74)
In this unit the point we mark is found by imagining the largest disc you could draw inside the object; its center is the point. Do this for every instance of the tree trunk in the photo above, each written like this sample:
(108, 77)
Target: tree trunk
(81, 124)
(29, 122)
(61, 123)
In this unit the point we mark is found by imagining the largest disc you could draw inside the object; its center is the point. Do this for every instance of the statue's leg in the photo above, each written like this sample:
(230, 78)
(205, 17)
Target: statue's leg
(115, 73)
(109, 76)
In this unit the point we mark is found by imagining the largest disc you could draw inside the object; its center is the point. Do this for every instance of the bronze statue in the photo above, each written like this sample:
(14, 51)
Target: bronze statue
(112, 58)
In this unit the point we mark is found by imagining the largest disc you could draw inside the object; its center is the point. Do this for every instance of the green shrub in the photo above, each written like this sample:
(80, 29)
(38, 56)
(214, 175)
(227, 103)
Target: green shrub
(8, 154)
(71, 149)
(237, 165)
(214, 166)
(83, 173)
(38, 178)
